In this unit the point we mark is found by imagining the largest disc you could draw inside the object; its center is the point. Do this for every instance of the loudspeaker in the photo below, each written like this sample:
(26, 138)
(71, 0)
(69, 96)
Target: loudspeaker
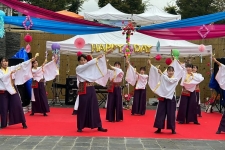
(71, 90)
(21, 88)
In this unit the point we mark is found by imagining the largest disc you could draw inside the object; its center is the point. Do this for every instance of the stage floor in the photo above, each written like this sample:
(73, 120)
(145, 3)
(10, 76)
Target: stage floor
(60, 122)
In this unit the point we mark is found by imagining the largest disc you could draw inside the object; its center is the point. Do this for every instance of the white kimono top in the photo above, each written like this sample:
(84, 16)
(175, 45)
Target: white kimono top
(162, 85)
(22, 75)
(132, 78)
(220, 76)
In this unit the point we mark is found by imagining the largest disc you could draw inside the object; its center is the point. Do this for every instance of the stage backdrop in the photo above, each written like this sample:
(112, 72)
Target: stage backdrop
(39, 45)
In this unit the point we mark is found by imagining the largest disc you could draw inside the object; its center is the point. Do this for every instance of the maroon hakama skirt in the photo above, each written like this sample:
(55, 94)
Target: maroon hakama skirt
(198, 105)
(222, 124)
(187, 110)
(88, 115)
(114, 109)
(139, 102)
(12, 105)
(40, 105)
(166, 109)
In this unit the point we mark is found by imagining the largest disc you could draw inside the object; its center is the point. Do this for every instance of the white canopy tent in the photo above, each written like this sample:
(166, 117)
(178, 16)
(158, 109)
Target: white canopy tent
(104, 40)
(107, 12)
(154, 15)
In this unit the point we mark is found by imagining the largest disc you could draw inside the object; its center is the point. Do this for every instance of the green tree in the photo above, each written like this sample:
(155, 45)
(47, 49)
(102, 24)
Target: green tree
(194, 8)
(171, 9)
(220, 5)
(57, 5)
(126, 6)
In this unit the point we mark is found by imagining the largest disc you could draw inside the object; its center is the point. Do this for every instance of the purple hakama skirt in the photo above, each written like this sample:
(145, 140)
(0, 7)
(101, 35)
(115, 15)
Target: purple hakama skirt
(12, 105)
(88, 115)
(198, 105)
(114, 109)
(222, 123)
(139, 102)
(40, 105)
(166, 109)
(187, 110)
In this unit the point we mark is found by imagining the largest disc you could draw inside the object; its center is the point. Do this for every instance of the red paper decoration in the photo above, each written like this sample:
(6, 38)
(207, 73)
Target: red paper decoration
(28, 38)
(158, 57)
(79, 43)
(89, 57)
(168, 61)
(79, 53)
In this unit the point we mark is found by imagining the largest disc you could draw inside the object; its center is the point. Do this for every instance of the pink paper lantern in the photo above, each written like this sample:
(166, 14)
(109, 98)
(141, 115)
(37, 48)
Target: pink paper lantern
(28, 48)
(79, 43)
(201, 48)
(28, 38)
(158, 57)
(168, 61)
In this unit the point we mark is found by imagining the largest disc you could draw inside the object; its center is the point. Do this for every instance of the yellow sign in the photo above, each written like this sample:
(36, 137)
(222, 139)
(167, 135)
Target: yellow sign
(106, 47)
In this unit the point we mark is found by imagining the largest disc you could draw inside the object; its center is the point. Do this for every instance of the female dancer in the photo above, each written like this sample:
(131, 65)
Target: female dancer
(140, 79)
(39, 99)
(87, 73)
(220, 76)
(197, 90)
(187, 110)
(114, 109)
(10, 102)
(164, 86)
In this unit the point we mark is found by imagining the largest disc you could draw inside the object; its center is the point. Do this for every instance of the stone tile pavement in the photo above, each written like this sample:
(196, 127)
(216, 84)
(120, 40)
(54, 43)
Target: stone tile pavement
(100, 143)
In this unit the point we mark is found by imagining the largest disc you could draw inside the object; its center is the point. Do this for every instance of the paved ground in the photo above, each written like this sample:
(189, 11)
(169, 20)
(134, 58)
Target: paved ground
(89, 143)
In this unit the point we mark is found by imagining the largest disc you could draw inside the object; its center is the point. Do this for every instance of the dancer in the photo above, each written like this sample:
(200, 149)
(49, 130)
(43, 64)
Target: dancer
(41, 74)
(10, 102)
(88, 72)
(140, 79)
(164, 86)
(197, 90)
(114, 110)
(188, 102)
(220, 76)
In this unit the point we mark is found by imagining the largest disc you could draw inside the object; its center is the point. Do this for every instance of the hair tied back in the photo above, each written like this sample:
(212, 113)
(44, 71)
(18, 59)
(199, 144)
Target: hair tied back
(79, 53)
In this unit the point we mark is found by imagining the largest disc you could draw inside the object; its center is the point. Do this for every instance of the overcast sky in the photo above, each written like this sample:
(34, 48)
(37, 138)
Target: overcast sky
(91, 5)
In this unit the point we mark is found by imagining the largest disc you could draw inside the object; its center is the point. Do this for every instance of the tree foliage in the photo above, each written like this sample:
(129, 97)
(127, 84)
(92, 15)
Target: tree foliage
(126, 6)
(194, 8)
(57, 5)
(171, 9)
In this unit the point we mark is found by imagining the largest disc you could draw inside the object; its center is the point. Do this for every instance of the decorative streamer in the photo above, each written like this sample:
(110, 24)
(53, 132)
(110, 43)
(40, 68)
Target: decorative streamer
(26, 21)
(203, 35)
(2, 30)
(56, 53)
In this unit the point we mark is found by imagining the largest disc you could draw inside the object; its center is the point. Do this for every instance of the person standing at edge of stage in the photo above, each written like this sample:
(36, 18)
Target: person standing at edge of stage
(164, 86)
(114, 110)
(187, 111)
(41, 74)
(220, 77)
(197, 90)
(10, 102)
(88, 114)
(140, 79)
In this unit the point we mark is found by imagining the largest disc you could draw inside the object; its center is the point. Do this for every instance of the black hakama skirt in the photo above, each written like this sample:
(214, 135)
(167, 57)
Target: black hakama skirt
(40, 105)
(198, 105)
(12, 105)
(166, 110)
(139, 102)
(222, 124)
(114, 109)
(88, 115)
(187, 110)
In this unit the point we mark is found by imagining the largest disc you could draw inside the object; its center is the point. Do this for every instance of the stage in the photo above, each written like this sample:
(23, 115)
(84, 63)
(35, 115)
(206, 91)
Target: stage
(61, 122)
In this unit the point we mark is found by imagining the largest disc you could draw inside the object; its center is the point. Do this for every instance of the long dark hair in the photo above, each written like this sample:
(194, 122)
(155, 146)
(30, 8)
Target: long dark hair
(170, 68)
(33, 63)
(3, 58)
(82, 55)
(117, 63)
(188, 65)
(143, 68)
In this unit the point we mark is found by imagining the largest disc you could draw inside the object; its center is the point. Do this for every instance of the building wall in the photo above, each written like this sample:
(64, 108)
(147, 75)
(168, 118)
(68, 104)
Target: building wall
(68, 63)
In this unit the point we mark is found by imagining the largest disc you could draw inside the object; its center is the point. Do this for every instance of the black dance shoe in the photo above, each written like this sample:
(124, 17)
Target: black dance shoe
(79, 130)
(180, 122)
(24, 125)
(102, 129)
(158, 131)
(197, 123)
(74, 112)
(31, 114)
(174, 132)
(218, 132)
(44, 114)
